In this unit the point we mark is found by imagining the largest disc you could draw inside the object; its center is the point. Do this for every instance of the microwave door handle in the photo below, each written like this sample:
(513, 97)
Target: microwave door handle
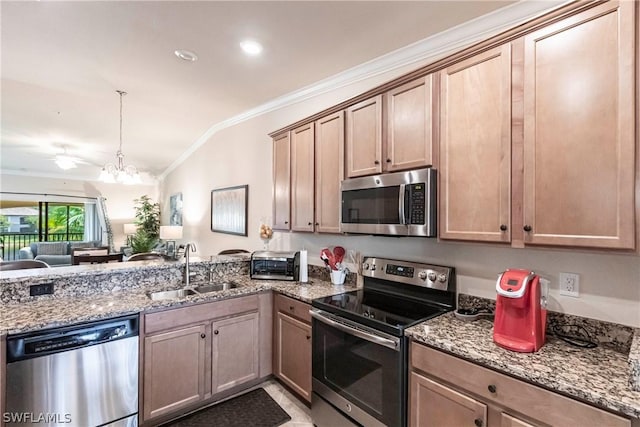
(401, 207)
(353, 331)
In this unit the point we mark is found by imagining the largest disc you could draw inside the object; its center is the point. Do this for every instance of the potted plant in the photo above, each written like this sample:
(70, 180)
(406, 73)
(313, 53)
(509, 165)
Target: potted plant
(148, 222)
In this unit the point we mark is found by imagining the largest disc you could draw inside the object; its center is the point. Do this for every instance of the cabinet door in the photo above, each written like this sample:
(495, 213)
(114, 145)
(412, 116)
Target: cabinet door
(432, 404)
(174, 370)
(235, 354)
(475, 148)
(364, 137)
(302, 186)
(579, 130)
(409, 125)
(507, 420)
(329, 171)
(281, 182)
(293, 354)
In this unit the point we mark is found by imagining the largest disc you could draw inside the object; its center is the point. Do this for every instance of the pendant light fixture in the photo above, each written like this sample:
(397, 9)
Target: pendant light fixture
(119, 172)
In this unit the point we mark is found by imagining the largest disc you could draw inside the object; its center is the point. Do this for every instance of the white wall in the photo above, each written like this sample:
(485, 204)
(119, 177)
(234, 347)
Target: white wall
(119, 197)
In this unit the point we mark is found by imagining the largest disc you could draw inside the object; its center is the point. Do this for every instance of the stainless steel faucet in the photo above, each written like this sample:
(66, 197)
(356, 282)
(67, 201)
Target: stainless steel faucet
(189, 247)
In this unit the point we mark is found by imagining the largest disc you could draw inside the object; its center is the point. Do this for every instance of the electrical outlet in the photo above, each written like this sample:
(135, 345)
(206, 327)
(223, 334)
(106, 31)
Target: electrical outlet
(570, 284)
(41, 289)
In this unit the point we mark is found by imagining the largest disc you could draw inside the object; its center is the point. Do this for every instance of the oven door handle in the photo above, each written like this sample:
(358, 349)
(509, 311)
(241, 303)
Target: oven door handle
(360, 333)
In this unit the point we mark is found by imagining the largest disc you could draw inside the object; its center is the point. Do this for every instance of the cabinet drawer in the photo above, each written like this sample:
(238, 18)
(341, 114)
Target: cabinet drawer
(532, 401)
(293, 307)
(176, 317)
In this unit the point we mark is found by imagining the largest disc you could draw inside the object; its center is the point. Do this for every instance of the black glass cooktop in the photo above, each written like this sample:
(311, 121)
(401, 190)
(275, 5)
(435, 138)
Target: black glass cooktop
(379, 310)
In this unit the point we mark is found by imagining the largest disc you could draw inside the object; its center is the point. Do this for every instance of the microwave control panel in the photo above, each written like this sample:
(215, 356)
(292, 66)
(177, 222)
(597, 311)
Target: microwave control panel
(417, 203)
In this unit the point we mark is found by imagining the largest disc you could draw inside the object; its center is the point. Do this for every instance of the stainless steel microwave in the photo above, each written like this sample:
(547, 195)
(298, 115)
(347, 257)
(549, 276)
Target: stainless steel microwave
(396, 204)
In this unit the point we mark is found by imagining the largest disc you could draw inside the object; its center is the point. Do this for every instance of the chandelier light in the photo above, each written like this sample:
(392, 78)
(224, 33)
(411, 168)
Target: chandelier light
(119, 172)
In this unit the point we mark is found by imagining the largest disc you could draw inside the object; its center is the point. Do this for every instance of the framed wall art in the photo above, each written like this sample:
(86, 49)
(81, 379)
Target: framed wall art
(175, 209)
(229, 210)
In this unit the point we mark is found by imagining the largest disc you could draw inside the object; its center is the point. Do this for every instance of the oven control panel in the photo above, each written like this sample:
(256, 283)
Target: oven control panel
(412, 273)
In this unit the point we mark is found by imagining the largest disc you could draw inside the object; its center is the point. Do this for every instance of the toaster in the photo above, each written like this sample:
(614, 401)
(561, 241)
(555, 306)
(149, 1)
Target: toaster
(275, 265)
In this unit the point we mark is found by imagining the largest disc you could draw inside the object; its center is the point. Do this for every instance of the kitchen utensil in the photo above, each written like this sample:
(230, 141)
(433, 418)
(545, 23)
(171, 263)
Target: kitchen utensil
(338, 253)
(327, 255)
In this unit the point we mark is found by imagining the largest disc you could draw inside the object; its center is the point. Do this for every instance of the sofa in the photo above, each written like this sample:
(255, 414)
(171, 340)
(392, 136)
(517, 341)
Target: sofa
(55, 254)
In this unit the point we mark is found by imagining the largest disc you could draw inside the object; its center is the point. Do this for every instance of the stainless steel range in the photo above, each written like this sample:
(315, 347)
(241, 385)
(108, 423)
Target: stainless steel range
(360, 353)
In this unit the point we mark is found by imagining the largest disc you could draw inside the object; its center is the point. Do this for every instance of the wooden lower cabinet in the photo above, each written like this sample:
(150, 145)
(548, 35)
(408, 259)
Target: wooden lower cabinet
(435, 404)
(174, 370)
(445, 390)
(235, 351)
(194, 354)
(292, 345)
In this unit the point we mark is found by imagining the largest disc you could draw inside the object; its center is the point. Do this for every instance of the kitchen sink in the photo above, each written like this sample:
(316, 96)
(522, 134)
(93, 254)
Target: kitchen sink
(203, 289)
(178, 293)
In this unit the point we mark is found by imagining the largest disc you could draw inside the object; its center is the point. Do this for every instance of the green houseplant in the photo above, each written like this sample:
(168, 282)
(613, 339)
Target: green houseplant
(148, 222)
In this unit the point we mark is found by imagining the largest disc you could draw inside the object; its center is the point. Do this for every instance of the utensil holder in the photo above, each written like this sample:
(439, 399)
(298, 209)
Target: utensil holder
(338, 276)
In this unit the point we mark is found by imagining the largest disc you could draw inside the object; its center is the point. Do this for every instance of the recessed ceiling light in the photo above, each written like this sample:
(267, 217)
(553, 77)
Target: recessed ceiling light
(186, 55)
(251, 47)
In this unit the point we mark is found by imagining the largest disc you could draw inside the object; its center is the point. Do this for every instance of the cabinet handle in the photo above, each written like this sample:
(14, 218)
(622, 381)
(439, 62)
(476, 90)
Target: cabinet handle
(286, 222)
(203, 336)
(291, 307)
(376, 162)
(527, 228)
(216, 332)
(492, 388)
(503, 227)
(388, 160)
(478, 422)
(308, 337)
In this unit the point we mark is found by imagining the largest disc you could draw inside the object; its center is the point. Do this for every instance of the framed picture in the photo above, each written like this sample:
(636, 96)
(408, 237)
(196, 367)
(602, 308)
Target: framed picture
(175, 209)
(229, 210)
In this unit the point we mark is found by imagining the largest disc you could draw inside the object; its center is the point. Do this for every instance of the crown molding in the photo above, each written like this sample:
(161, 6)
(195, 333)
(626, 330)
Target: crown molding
(431, 48)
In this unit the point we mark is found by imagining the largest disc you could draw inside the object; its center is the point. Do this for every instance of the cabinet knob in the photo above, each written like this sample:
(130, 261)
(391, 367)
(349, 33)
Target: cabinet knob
(478, 422)
(203, 336)
(291, 307)
(317, 224)
(527, 228)
(308, 337)
(376, 162)
(388, 160)
(216, 332)
(492, 388)
(286, 222)
(310, 223)
(503, 227)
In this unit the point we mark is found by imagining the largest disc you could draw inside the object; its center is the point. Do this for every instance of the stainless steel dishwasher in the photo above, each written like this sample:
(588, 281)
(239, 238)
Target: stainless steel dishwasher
(83, 375)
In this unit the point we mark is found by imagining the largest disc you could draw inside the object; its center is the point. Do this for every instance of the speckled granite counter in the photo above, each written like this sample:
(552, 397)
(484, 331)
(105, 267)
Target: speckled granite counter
(599, 376)
(92, 293)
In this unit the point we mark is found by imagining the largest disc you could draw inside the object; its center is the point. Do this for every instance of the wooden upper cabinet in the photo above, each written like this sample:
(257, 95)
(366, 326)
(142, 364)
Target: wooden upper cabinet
(579, 130)
(364, 137)
(281, 182)
(302, 178)
(409, 121)
(475, 148)
(329, 171)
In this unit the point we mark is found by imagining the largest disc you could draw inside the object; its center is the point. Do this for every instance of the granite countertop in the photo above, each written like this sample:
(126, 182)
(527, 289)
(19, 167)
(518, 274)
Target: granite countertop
(599, 376)
(92, 292)
(68, 309)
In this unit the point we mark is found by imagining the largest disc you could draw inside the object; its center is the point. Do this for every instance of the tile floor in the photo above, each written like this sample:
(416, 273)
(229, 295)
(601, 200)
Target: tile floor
(300, 414)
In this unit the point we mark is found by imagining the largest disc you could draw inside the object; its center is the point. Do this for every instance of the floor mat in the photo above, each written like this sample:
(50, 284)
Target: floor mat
(255, 408)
